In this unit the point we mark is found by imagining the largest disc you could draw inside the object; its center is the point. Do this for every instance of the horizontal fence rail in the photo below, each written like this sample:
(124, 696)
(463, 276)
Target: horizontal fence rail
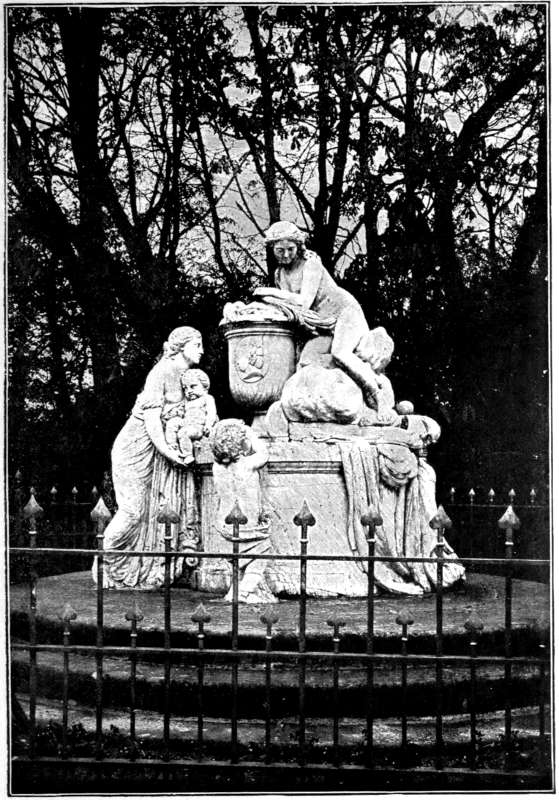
(367, 756)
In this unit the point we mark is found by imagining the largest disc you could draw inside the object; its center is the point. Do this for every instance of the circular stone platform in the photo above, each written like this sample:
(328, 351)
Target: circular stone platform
(482, 595)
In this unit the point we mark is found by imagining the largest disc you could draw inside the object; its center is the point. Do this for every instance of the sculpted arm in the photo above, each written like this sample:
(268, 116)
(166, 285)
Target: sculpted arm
(259, 455)
(312, 273)
(211, 413)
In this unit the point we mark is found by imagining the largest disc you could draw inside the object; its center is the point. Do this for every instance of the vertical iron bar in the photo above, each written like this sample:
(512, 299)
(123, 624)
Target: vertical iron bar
(336, 623)
(74, 515)
(133, 616)
(167, 642)
(371, 519)
(269, 618)
(236, 518)
(19, 535)
(67, 616)
(303, 520)
(302, 642)
(541, 714)
(200, 616)
(439, 522)
(508, 522)
(167, 517)
(472, 497)
(31, 512)
(100, 516)
(133, 641)
(474, 626)
(405, 620)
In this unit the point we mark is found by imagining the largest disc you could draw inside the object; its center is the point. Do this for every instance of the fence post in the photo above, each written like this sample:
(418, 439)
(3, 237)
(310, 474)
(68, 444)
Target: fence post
(32, 511)
(101, 518)
(167, 517)
(404, 619)
(336, 622)
(201, 617)
(542, 635)
(269, 617)
(371, 519)
(304, 519)
(133, 617)
(474, 627)
(509, 522)
(440, 523)
(68, 615)
(236, 518)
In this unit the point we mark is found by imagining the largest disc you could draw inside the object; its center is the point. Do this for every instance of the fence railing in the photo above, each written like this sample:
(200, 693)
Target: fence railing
(66, 522)
(403, 765)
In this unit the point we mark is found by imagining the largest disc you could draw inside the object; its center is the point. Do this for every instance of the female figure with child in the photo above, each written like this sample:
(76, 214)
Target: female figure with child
(149, 473)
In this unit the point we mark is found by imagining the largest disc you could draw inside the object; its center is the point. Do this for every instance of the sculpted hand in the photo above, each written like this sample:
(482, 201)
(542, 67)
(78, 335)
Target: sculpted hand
(174, 456)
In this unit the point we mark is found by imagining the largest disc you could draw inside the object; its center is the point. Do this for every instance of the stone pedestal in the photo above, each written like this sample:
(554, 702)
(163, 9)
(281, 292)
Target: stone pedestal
(308, 465)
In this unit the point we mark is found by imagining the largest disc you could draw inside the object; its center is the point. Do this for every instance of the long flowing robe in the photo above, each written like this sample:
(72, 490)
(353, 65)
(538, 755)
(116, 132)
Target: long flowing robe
(144, 482)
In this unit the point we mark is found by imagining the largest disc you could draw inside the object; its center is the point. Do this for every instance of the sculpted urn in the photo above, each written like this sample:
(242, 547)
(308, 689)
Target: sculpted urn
(261, 359)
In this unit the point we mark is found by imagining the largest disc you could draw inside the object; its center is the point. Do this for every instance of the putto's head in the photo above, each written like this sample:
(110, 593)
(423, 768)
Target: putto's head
(195, 383)
(186, 340)
(286, 241)
(229, 441)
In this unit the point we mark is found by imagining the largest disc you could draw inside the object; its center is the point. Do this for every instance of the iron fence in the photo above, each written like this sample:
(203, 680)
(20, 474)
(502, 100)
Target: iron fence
(300, 763)
(67, 523)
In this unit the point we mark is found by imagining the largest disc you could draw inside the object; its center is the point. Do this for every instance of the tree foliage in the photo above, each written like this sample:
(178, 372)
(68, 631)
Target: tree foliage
(150, 147)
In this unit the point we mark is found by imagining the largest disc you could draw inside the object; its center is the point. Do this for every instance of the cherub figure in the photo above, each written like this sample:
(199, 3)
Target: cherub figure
(238, 457)
(375, 349)
(191, 418)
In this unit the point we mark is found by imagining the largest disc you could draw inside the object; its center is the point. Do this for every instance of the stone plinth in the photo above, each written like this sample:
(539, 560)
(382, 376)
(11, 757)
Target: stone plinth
(315, 463)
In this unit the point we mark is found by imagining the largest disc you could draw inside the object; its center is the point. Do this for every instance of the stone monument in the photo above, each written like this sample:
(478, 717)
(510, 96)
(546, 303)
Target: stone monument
(303, 361)
(325, 429)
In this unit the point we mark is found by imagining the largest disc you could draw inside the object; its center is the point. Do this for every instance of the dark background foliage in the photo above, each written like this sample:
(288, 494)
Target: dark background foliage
(149, 147)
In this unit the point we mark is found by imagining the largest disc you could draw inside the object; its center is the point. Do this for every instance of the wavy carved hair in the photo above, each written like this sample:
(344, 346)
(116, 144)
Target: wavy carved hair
(178, 338)
(229, 440)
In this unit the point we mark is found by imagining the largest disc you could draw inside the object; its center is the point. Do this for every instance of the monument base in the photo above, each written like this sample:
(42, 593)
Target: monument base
(339, 470)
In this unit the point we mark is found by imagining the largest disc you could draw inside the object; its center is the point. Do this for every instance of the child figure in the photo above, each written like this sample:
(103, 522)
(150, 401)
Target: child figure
(238, 457)
(193, 417)
(376, 349)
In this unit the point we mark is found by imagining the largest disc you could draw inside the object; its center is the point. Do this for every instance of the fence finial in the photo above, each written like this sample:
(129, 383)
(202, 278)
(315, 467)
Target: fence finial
(336, 621)
(269, 616)
(32, 509)
(532, 495)
(100, 513)
(201, 615)
(236, 515)
(473, 624)
(491, 495)
(405, 617)
(68, 613)
(304, 516)
(441, 519)
(509, 520)
(135, 613)
(167, 515)
(371, 517)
